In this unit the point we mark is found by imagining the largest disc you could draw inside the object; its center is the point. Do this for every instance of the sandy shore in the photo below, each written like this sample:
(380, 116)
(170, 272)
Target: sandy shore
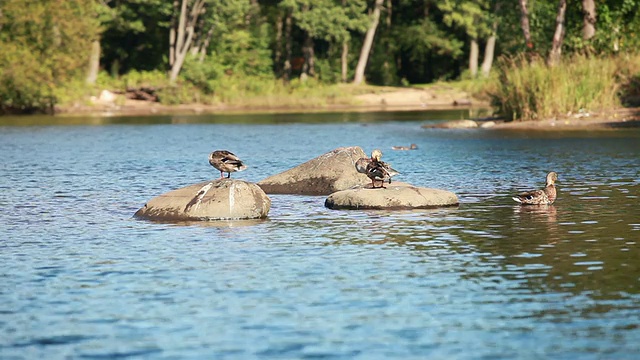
(438, 97)
(379, 99)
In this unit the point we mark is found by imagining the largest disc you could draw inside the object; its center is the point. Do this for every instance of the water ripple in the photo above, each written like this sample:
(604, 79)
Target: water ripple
(490, 279)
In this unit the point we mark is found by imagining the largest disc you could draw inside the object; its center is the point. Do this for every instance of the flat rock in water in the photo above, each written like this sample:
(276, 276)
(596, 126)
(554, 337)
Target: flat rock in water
(392, 197)
(328, 173)
(455, 124)
(222, 199)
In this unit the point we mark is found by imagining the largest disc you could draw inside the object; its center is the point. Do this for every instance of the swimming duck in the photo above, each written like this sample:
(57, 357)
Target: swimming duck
(545, 196)
(376, 169)
(412, 147)
(226, 161)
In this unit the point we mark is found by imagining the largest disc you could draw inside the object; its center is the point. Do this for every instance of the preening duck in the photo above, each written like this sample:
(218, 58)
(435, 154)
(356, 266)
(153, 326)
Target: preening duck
(226, 162)
(376, 169)
(545, 196)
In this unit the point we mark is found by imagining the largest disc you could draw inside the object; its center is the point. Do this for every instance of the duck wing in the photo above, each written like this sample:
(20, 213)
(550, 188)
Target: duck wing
(361, 165)
(535, 197)
(391, 171)
(224, 160)
(378, 170)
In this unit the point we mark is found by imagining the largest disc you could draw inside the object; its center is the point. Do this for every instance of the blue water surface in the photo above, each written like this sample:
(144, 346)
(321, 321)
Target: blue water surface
(80, 278)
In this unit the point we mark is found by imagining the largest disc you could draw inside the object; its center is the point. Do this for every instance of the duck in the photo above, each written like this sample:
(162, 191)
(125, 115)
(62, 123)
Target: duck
(411, 147)
(226, 161)
(545, 196)
(376, 169)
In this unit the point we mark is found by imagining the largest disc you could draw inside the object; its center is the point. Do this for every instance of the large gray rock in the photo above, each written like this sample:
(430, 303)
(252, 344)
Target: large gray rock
(399, 196)
(216, 200)
(328, 173)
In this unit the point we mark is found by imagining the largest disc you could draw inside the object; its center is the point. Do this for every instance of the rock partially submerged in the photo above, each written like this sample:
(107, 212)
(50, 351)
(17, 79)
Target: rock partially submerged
(455, 124)
(328, 173)
(222, 199)
(393, 197)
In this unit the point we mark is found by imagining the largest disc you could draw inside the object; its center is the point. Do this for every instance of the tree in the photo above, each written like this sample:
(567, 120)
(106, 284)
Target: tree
(589, 23)
(524, 23)
(472, 18)
(368, 41)
(326, 20)
(558, 35)
(45, 45)
(184, 28)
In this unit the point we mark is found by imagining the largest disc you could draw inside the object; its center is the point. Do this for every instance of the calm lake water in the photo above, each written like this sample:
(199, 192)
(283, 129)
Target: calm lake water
(79, 278)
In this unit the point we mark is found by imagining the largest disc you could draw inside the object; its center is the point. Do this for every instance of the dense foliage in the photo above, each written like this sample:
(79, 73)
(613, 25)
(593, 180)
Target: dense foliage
(212, 46)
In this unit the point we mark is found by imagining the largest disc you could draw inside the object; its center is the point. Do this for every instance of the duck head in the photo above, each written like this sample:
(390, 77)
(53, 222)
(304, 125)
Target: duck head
(376, 155)
(552, 177)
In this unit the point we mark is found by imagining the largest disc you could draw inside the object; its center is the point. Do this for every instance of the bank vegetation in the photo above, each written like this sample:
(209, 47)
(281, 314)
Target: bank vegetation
(552, 57)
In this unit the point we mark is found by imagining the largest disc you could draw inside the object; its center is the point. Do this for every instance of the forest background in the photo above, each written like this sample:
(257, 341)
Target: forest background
(551, 57)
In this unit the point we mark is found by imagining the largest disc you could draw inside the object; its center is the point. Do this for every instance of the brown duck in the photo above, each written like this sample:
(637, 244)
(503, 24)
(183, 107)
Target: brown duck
(545, 196)
(226, 162)
(376, 169)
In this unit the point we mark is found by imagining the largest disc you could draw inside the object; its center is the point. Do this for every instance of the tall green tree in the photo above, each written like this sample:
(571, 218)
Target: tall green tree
(331, 21)
(134, 35)
(45, 45)
(474, 18)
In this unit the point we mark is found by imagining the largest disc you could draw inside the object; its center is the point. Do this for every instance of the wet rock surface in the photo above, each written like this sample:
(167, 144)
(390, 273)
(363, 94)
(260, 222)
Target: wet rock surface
(323, 175)
(220, 199)
(394, 196)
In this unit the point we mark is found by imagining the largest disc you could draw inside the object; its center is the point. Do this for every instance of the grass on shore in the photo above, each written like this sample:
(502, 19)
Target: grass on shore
(237, 91)
(531, 90)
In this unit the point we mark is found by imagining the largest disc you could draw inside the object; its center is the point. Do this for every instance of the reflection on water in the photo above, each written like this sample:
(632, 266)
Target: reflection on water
(490, 279)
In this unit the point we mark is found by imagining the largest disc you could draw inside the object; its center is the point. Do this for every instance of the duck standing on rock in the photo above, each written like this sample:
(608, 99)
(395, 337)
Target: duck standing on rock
(545, 196)
(376, 169)
(226, 161)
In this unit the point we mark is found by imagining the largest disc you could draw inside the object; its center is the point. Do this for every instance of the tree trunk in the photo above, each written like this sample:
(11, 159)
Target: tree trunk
(558, 35)
(524, 23)
(344, 59)
(589, 25)
(205, 45)
(94, 62)
(277, 53)
(473, 58)
(308, 69)
(287, 46)
(172, 33)
(489, 50)
(368, 42)
(184, 34)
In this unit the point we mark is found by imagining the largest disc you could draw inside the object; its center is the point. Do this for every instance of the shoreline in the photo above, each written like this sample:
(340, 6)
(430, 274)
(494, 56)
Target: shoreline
(611, 120)
(377, 99)
(383, 99)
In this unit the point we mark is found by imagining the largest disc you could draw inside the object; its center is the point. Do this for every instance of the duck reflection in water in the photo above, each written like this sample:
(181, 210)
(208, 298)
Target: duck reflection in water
(531, 217)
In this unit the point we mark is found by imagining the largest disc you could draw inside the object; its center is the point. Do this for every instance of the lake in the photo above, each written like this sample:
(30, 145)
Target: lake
(80, 278)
